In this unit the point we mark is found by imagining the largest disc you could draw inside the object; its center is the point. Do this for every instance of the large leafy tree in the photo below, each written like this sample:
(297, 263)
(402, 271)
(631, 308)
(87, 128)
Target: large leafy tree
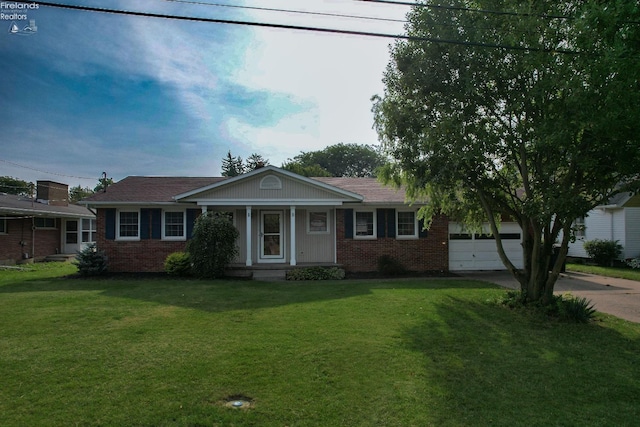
(16, 186)
(350, 160)
(520, 110)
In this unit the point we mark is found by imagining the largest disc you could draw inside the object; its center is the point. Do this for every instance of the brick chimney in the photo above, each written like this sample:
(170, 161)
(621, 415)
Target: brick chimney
(52, 193)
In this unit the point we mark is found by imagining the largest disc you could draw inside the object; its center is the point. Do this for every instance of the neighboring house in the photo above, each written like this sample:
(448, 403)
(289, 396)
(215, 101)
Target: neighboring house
(284, 219)
(618, 220)
(47, 225)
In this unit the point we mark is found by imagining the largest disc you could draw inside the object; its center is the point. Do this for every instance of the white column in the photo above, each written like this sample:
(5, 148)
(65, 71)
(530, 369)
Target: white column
(203, 209)
(292, 245)
(249, 263)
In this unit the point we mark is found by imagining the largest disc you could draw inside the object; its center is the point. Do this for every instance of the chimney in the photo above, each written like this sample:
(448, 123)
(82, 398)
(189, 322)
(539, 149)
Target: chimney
(52, 193)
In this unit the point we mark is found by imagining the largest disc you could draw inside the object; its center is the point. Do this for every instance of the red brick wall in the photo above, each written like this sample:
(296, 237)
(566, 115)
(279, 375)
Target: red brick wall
(144, 256)
(430, 253)
(47, 242)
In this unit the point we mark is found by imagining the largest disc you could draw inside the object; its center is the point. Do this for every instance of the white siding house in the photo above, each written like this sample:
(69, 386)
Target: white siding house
(619, 220)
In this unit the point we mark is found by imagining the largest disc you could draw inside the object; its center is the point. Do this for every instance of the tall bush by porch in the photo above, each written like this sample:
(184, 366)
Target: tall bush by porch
(213, 245)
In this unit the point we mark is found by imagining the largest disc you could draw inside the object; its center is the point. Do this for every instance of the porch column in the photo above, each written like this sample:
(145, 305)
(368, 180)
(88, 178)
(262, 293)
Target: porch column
(203, 209)
(249, 263)
(292, 245)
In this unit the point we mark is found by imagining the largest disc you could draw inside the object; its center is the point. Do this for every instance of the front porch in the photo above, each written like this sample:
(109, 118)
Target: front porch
(271, 271)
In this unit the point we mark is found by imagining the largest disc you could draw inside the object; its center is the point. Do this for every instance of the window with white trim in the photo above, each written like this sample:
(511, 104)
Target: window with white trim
(365, 224)
(579, 228)
(88, 230)
(128, 225)
(406, 224)
(317, 222)
(174, 225)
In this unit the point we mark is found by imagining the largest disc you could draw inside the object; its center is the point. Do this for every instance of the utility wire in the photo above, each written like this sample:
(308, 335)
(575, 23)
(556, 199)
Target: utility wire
(308, 28)
(45, 172)
(301, 12)
(483, 11)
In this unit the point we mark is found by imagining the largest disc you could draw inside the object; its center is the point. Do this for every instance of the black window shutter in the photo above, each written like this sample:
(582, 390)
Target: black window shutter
(110, 224)
(391, 223)
(156, 223)
(145, 223)
(421, 231)
(381, 222)
(348, 223)
(192, 215)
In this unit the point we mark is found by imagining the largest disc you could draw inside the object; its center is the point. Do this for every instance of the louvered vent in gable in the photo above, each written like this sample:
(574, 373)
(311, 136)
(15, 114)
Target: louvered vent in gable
(270, 182)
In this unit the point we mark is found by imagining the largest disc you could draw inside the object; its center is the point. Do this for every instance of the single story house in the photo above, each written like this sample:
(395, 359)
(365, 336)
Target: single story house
(44, 226)
(618, 220)
(284, 219)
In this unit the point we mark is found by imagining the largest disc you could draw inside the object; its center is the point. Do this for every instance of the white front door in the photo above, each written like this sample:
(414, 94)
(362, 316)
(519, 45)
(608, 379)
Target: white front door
(271, 236)
(71, 236)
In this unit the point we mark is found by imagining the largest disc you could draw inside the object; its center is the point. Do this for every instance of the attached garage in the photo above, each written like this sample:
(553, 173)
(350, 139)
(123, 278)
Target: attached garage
(477, 251)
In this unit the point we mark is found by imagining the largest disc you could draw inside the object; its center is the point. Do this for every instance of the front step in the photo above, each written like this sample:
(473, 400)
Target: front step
(60, 258)
(269, 275)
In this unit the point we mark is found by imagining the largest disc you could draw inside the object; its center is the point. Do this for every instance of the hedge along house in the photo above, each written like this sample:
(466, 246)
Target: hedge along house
(284, 220)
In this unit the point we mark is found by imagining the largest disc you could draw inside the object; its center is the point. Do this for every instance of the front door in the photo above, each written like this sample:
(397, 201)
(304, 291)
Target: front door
(71, 236)
(271, 237)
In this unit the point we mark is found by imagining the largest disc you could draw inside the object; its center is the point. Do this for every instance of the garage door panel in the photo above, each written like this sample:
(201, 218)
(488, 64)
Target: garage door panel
(479, 252)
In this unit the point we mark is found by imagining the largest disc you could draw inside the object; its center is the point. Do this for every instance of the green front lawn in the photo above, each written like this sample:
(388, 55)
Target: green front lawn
(623, 273)
(419, 352)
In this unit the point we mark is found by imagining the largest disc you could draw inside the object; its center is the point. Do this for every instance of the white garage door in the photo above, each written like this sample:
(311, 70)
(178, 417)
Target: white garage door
(473, 251)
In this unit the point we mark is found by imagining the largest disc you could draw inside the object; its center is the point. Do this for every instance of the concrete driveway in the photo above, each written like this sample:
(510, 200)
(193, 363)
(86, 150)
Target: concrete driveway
(618, 297)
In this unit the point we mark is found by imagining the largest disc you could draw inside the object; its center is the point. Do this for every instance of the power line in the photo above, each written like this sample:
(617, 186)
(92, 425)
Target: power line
(465, 9)
(308, 28)
(301, 12)
(45, 172)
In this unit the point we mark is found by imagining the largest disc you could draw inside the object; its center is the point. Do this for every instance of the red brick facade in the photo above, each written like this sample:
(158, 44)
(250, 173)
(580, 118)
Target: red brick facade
(21, 238)
(144, 256)
(430, 253)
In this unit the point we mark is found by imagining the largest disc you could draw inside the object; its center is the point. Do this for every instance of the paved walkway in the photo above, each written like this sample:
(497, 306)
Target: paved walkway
(619, 297)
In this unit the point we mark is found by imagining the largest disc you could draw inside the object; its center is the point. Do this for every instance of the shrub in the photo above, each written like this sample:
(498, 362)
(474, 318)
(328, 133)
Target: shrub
(91, 262)
(389, 265)
(575, 309)
(213, 245)
(603, 252)
(178, 264)
(316, 273)
(634, 262)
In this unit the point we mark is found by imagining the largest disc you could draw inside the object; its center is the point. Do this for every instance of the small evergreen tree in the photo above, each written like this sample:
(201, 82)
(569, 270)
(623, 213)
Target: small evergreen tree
(232, 166)
(213, 245)
(91, 262)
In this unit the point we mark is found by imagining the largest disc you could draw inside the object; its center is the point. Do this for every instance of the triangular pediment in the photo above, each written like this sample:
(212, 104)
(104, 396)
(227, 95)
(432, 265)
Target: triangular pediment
(269, 185)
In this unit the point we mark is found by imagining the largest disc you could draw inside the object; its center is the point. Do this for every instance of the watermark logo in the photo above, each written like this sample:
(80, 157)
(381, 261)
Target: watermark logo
(17, 13)
(32, 28)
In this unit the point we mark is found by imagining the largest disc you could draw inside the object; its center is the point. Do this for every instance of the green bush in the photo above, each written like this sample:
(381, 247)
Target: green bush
(562, 307)
(178, 264)
(634, 262)
(213, 245)
(91, 262)
(316, 273)
(390, 266)
(603, 252)
(575, 309)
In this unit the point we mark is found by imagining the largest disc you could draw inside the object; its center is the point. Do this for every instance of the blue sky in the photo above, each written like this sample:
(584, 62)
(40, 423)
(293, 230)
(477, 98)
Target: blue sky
(93, 92)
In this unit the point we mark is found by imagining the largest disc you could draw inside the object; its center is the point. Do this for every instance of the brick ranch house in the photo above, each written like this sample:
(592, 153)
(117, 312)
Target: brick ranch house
(284, 219)
(34, 229)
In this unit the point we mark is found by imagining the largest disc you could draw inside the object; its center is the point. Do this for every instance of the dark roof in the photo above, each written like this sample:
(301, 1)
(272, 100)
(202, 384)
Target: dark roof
(371, 189)
(148, 189)
(18, 205)
(151, 189)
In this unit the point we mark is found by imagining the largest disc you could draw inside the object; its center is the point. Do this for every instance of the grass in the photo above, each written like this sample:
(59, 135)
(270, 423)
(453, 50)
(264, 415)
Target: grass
(417, 352)
(619, 272)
